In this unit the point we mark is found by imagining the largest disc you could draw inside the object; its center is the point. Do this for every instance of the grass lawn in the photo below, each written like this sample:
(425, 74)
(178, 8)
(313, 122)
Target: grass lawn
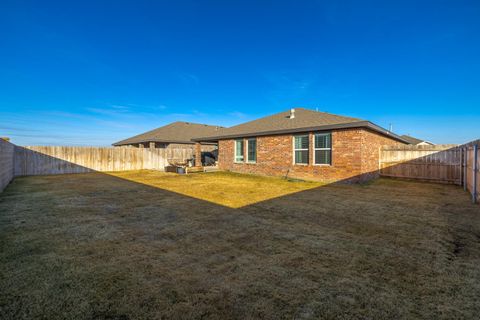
(149, 245)
(233, 190)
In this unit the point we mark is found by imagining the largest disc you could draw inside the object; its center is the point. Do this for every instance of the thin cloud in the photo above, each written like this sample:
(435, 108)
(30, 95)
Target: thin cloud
(108, 112)
(188, 78)
(97, 120)
(120, 107)
(289, 86)
(238, 114)
(19, 129)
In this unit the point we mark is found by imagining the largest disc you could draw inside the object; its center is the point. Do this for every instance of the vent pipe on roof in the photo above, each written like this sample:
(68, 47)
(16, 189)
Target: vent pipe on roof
(292, 113)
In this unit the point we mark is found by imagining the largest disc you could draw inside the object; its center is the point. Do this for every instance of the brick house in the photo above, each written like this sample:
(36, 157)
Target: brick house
(304, 144)
(174, 135)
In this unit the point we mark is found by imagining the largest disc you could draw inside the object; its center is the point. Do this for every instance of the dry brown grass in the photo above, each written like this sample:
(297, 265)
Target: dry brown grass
(94, 246)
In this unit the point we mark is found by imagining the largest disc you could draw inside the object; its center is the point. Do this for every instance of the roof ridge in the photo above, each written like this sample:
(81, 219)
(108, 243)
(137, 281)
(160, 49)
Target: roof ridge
(296, 108)
(333, 114)
(196, 123)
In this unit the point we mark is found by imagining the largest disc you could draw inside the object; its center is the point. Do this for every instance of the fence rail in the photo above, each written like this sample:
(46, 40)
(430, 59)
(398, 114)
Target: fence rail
(43, 160)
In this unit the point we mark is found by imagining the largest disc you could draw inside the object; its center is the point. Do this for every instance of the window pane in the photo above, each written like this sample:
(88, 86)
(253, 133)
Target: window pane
(323, 140)
(323, 157)
(238, 150)
(301, 142)
(301, 156)
(252, 150)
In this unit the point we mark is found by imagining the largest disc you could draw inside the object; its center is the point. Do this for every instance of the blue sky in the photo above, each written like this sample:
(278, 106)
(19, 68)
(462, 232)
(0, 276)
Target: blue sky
(94, 72)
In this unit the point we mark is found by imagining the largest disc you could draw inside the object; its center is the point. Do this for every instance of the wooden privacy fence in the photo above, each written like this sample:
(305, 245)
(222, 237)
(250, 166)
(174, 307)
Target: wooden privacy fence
(6, 163)
(43, 160)
(440, 163)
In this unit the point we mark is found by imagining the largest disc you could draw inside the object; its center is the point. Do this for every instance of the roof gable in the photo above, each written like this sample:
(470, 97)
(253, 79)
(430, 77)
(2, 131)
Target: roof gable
(303, 118)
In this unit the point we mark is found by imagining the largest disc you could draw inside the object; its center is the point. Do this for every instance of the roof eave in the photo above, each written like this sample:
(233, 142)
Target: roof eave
(123, 142)
(385, 132)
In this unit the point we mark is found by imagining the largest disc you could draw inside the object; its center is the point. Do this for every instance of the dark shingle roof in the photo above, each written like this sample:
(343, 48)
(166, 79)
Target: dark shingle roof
(304, 120)
(413, 140)
(176, 132)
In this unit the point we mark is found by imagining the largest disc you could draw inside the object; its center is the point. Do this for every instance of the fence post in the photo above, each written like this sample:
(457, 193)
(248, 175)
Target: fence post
(475, 169)
(464, 173)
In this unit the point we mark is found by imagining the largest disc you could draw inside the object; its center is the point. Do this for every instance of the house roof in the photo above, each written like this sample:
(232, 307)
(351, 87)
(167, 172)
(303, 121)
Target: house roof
(304, 120)
(413, 140)
(175, 132)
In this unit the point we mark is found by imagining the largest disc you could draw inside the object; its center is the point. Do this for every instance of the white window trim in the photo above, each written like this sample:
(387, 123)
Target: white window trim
(294, 149)
(235, 151)
(315, 149)
(256, 147)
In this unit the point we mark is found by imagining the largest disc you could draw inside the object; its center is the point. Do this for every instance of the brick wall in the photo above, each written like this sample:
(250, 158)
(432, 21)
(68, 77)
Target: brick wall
(354, 157)
(371, 144)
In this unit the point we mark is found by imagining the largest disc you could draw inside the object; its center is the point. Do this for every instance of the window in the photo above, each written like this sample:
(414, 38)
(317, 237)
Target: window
(252, 150)
(301, 149)
(323, 148)
(239, 150)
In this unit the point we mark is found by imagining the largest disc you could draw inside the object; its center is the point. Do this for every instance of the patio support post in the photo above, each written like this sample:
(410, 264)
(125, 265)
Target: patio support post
(198, 154)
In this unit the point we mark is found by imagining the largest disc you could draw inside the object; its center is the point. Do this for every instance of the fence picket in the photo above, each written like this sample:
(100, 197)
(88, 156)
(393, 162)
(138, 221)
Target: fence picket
(41, 160)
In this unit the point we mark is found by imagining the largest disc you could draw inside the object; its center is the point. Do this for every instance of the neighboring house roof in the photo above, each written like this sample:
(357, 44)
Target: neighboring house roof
(415, 141)
(176, 132)
(303, 120)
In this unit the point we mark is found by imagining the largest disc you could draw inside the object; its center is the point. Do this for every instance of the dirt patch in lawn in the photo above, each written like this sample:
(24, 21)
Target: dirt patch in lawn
(94, 246)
